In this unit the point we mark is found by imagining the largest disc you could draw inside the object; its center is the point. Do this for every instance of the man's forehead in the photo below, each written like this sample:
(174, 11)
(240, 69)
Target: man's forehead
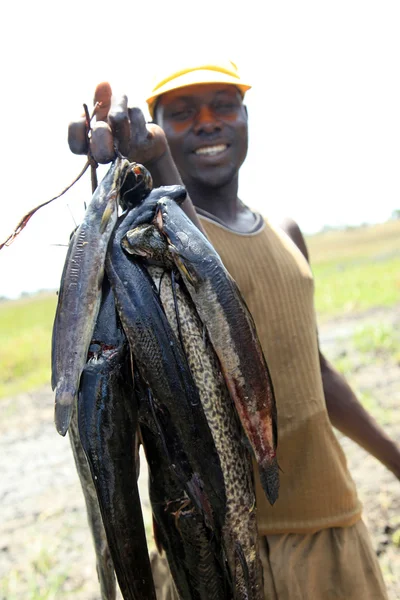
(199, 91)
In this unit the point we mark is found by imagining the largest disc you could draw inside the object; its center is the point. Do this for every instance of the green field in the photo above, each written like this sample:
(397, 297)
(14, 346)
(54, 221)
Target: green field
(25, 338)
(354, 270)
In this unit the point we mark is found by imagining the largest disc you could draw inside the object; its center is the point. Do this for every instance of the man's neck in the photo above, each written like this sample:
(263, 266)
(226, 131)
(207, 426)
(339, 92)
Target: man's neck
(224, 204)
(221, 202)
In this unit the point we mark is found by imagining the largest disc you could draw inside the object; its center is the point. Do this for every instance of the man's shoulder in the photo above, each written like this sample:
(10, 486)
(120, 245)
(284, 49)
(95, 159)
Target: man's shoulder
(293, 231)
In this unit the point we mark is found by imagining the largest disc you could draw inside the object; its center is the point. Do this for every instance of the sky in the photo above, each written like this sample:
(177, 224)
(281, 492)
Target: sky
(324, 109)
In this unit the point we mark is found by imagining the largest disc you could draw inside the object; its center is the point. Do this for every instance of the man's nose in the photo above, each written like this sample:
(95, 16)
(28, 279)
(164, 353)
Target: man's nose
(206, 121)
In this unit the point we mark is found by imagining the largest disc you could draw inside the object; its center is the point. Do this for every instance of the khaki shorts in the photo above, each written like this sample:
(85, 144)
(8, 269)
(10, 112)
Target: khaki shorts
(336, 563)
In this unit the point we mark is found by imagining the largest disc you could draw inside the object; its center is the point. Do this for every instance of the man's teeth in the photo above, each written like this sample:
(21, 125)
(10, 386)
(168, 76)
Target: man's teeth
(211, 150)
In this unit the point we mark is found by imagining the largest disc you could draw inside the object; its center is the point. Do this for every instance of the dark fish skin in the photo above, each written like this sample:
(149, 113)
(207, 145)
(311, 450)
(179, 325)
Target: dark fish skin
(194, 557)
(232, 332)
(164, 369)
(105, 566)
(146, 211)
(106, 329)
(107, 416)
(79, 296)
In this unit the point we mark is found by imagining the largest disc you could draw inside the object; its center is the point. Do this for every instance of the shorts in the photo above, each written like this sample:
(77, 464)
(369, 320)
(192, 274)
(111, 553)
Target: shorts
(337, 563)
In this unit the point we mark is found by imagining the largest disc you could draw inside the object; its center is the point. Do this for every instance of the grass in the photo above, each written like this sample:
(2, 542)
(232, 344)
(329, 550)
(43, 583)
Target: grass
(345, 288)
(379, 340)
(382, 414)
(356, 270)
(25, 337)
(36, 581)
(376, 344)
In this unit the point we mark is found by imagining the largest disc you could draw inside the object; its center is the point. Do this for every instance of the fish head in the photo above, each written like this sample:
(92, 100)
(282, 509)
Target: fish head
(146, 241)
(185, 240)
(137, 185)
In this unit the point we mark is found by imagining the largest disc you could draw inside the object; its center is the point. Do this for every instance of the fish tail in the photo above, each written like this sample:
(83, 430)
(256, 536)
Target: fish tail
(64, 405)
(269, 477)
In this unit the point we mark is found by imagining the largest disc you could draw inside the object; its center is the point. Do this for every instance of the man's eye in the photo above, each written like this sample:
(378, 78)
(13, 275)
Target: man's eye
(225, 107)
(181, 115)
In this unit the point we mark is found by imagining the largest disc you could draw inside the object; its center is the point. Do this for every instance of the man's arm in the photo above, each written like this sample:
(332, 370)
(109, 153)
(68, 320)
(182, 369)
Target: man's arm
(349, 416)
(345, 411)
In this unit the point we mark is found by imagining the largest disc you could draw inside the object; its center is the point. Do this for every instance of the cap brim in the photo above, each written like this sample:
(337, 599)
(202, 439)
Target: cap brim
(196, 77)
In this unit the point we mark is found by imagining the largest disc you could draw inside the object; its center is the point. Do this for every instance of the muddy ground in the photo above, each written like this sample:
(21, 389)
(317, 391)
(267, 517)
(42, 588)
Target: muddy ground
(45, 546)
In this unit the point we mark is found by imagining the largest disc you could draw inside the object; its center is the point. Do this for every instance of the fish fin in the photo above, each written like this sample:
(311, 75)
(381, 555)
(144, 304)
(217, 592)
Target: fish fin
(176, 306)
(205, 336)
(269, 477)
(163, 274)
(156, 537)
(200, 499)
(183, 266)
(55, 336)
(107, 214)
(245, 569)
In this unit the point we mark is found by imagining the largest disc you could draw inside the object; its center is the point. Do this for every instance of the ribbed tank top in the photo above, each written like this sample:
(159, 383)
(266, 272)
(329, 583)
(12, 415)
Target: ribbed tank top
(316, 489)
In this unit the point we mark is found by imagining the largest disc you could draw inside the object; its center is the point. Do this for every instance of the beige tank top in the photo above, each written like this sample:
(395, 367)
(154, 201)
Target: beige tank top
(316, 489)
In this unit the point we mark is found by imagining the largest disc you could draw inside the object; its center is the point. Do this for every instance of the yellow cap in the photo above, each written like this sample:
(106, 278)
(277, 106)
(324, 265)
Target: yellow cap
(201, 72)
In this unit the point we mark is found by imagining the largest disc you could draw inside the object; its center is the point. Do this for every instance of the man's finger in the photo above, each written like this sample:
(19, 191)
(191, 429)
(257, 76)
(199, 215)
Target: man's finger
(138, 124)
(77, 136)
(102, 143)
(102, 95)
(119, 121)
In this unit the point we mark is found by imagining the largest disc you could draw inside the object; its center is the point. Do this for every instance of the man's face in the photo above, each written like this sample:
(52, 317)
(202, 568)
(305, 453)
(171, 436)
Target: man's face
(206, 128)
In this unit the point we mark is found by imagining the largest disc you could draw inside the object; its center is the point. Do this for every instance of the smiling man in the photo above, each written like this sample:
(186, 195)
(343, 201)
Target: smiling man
(314, 544)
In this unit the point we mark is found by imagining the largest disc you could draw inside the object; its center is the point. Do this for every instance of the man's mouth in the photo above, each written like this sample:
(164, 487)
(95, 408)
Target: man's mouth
(211, 150)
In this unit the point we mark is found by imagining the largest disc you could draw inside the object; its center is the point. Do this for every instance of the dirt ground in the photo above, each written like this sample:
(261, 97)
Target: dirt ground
(45, 546)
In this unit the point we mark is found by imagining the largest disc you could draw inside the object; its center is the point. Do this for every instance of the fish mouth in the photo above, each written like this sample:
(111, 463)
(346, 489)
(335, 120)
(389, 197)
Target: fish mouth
(132, 248)
(211, 150)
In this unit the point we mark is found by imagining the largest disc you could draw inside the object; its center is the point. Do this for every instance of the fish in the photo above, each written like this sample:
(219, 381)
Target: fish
(80, 292)
(239, 533)
(232, 333)
(162, 365)
(108, 423)
(194, 556)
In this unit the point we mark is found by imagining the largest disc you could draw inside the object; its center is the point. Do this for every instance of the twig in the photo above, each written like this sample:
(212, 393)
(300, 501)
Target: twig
(93, 165)
(24, 221)
(90, 162)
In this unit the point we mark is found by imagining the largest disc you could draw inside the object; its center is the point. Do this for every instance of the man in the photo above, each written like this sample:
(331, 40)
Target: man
(313, 542)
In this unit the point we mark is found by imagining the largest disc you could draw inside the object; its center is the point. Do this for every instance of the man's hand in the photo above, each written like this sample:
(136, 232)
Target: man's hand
(125, 129)
(120, 127)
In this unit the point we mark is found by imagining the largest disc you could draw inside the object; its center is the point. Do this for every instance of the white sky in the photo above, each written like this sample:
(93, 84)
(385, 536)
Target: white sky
(324, 109)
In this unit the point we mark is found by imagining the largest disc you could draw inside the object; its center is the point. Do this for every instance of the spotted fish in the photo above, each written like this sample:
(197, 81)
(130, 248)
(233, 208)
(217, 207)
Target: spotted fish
(239, 532)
